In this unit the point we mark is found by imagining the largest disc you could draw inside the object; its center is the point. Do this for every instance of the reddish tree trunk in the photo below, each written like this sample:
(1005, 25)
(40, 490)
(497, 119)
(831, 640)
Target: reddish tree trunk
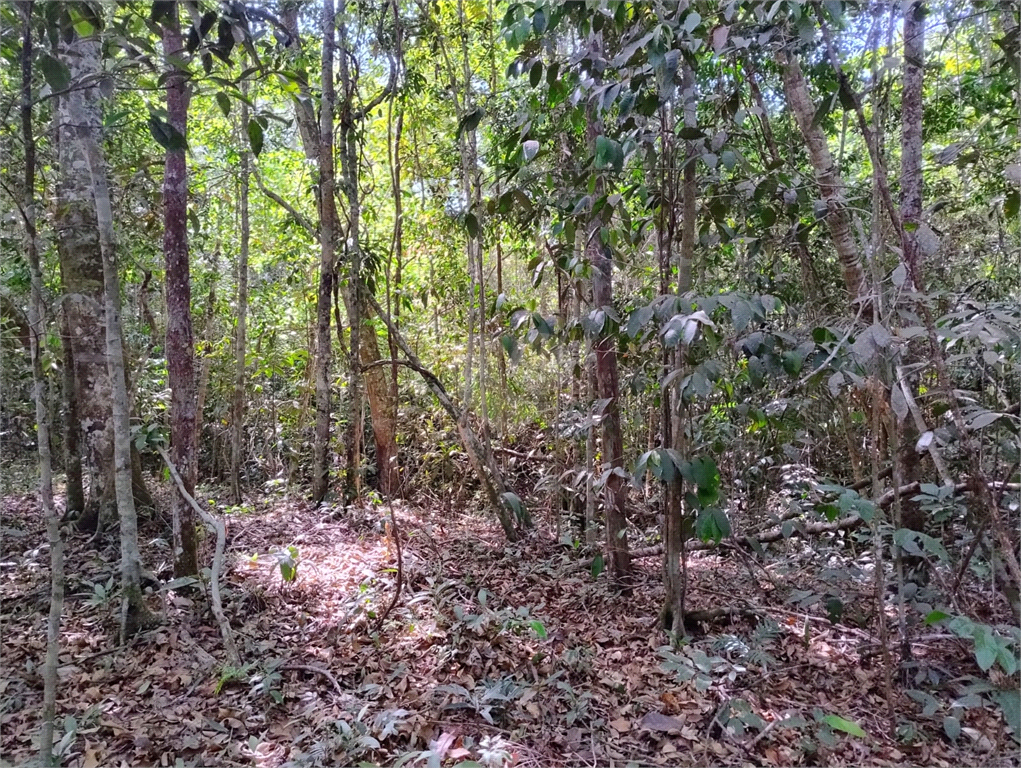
(180, 340)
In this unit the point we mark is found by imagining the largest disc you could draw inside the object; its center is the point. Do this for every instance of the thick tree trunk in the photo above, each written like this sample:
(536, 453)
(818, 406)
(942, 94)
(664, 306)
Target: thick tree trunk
(241, 333)
(324, 296)
(81, 269)
(827, 175)
(37, 326)
(180, 340)
(134, 613)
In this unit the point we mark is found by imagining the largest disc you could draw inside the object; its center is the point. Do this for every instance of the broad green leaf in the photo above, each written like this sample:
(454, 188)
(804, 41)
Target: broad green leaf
(850, 727)
(255, 136)
(223, 102)
(597, 565)
(471, 223)
(470, 121)
(57, 75)
(608, 154)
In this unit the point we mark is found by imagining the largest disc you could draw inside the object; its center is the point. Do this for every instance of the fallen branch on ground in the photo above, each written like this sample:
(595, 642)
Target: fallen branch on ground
(314, 670)
(221, 536)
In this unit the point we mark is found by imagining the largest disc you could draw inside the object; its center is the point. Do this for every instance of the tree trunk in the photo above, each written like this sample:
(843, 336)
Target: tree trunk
(37, 336)
(81, 270)
(134, 613)
(831, 186)
(206, 357)
(180, 345)
(480, 457)
(241, 333)
(605, 348)
(383, 405)
(327, 220)
(349, 151)
(911, 131)
(75, 490)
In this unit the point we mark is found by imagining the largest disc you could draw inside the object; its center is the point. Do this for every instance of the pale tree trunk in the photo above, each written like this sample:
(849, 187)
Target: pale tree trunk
(134, 613)
(37, 336)
(673, 513)
(241, 332)
(799, 247)
(607, 379)
(327, 221)
(81, 270)
(386, 443)
(827, 175)
(75, 489)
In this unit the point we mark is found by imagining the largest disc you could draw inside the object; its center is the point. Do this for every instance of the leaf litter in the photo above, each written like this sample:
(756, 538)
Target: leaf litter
(496, 653)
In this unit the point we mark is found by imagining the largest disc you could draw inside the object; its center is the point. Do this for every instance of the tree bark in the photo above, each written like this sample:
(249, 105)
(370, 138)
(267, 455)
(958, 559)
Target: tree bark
(827, 175)
(37, 326)
(383, 406)
(180, 338)
(607, 379)
(481, 459)
(81, 271)
(349, 152)
(241, 332)
(327, 220)
(75, 489)
(134, 613)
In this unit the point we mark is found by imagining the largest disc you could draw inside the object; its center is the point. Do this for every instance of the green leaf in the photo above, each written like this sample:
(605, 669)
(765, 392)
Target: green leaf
(255, 136)
(704, 472)
(952, 727)
(514, 503)
(597, 565)
(223, 102)
(535, 74)
(470, 121)
(57, 75)
(166, 135)
(538, 628)
(639, 319)
(608, 154)
(712, 525)
(1010, 706)
(985, 650)
(850, 727)
(1011, 204)
(471, 223)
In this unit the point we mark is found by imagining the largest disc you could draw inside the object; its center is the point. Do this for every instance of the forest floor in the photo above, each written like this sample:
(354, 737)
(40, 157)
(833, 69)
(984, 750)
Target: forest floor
(497, 653)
